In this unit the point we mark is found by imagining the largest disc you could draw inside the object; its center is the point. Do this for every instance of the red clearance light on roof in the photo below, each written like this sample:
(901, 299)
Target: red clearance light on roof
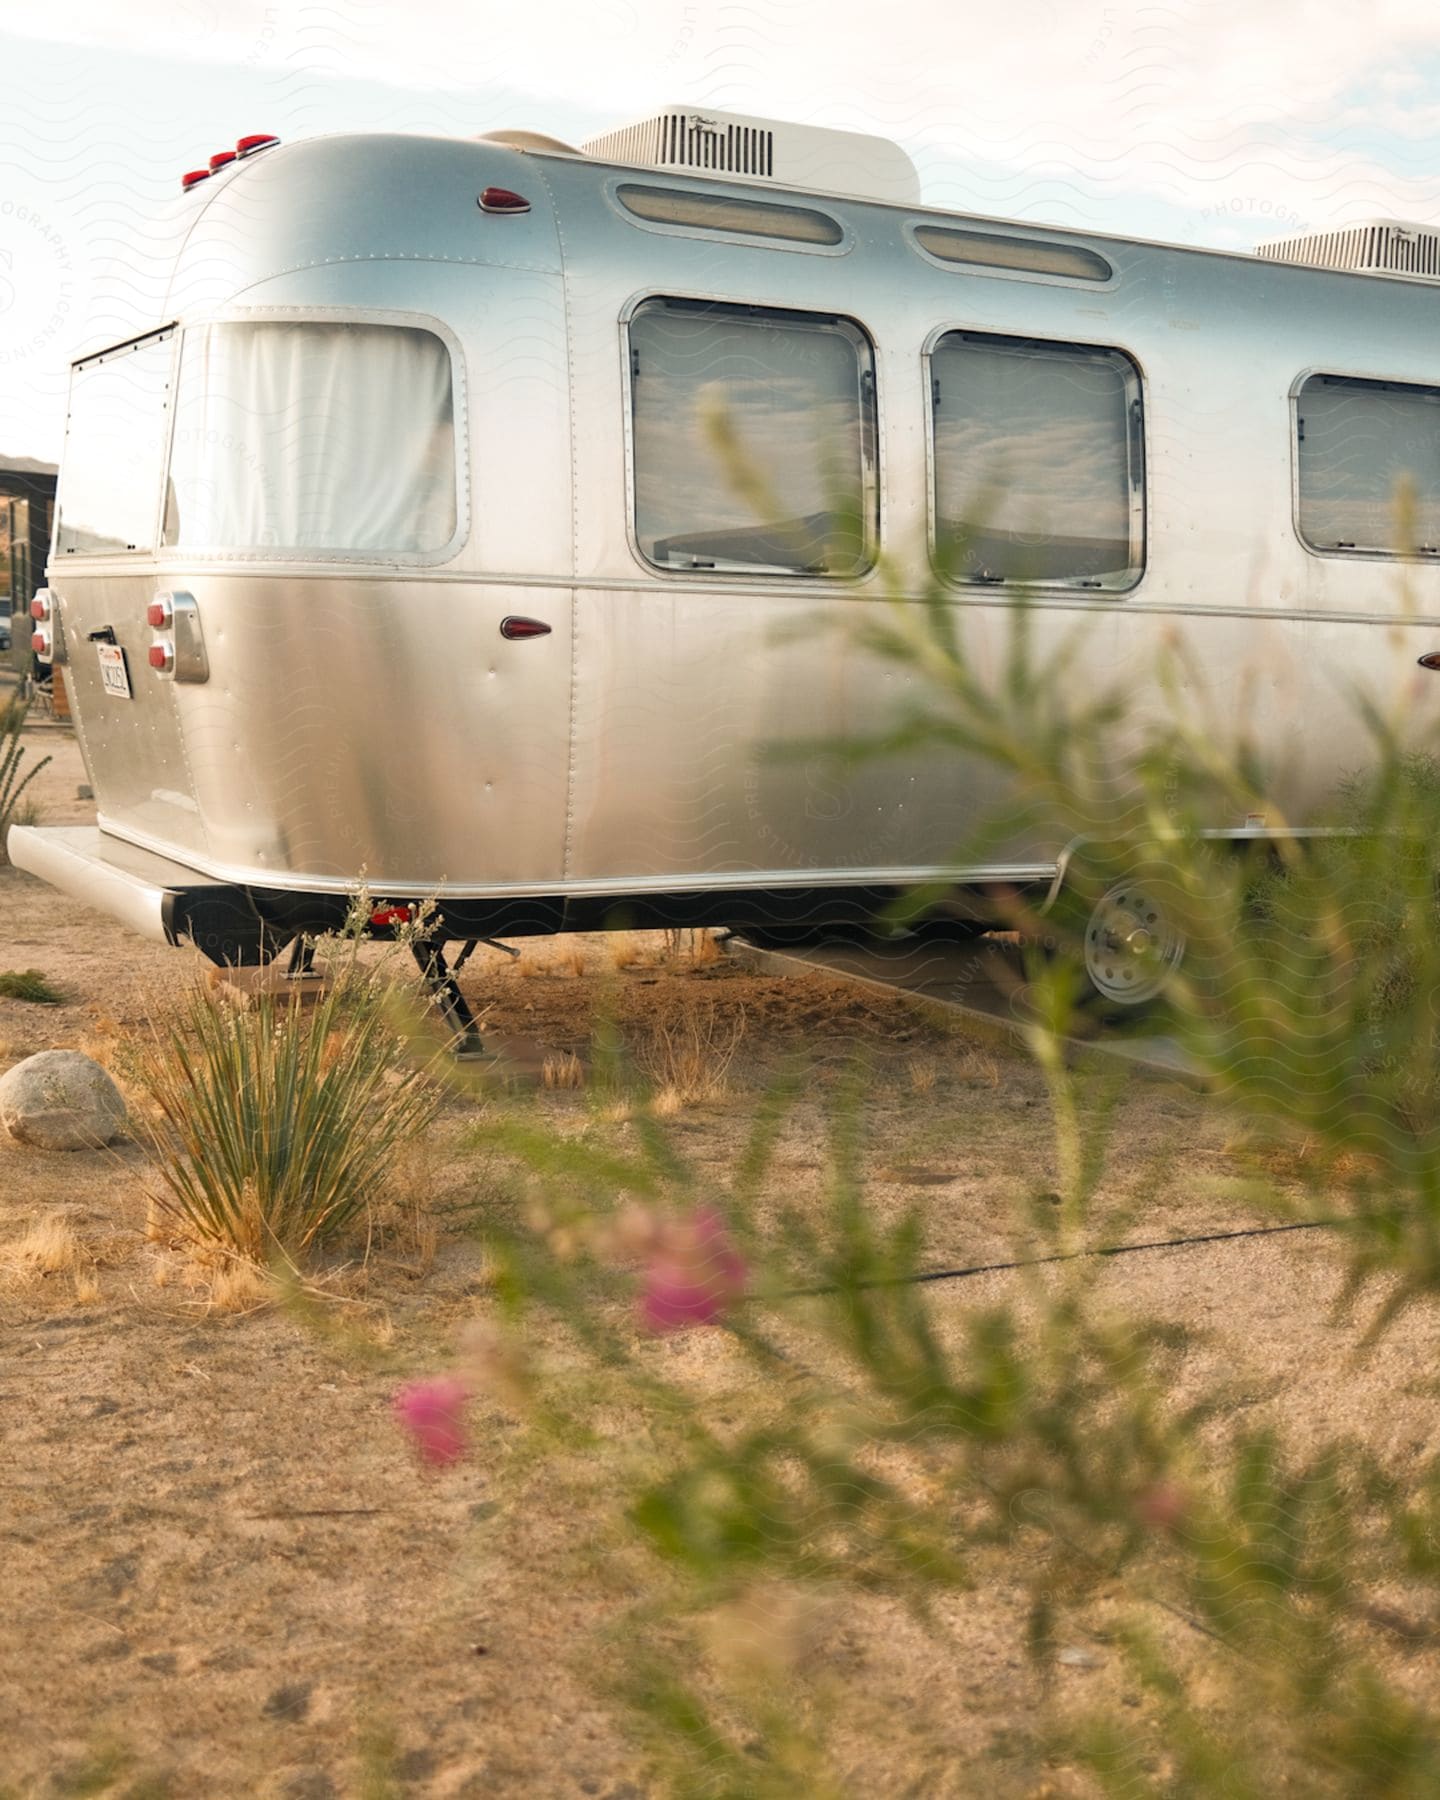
(220, 158)
(258, 140)
(502, 200)
(195, 175)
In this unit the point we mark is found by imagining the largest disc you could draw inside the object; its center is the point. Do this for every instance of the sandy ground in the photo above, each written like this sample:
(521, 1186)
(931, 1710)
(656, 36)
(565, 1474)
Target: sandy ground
(224, 1575)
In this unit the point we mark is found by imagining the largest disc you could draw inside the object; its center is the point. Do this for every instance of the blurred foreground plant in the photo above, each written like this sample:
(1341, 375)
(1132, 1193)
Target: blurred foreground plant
(852, 1435)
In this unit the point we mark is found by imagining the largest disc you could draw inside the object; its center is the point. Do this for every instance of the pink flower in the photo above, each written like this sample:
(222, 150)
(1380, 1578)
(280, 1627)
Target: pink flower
(433, 1412)
(1162, 1506)
(694, 1273)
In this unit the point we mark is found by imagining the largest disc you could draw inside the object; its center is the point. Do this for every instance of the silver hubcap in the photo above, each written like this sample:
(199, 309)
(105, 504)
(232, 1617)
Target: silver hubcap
(1130, 948)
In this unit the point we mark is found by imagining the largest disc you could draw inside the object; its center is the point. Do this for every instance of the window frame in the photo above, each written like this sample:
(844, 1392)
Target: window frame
(290, 555)
(1359, 553)
(872, 474)
(1050, 587)
(61, 557)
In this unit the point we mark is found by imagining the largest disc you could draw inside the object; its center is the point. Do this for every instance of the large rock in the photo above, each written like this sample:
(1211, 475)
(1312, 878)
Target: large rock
(61, 1100)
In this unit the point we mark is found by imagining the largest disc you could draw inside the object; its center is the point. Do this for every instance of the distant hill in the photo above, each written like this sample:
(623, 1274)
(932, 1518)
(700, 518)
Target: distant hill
(25, 465)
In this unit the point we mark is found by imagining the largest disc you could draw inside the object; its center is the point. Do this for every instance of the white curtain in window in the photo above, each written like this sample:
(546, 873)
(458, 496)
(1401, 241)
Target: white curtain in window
(311, 435)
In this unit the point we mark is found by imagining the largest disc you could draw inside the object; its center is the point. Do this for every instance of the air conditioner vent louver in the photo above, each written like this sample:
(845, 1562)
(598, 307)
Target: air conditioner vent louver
(690, 141)
(1378, 247)
(727, 144)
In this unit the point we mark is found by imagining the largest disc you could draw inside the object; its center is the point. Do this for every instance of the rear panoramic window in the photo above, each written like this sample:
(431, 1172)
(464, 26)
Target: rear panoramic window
(1039, 462)
(114, 448)
(1368, 466)
(753, 439)
(313, 436)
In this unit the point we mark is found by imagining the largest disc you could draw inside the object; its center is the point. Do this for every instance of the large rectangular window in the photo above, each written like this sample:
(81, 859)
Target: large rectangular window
(1368, 466)
(315, 436)
(1039, 462)
(114, 448)
(754, 439)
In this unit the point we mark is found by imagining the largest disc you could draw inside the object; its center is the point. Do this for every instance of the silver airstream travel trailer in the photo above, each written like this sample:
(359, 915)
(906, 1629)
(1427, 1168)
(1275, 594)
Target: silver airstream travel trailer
(396, 545)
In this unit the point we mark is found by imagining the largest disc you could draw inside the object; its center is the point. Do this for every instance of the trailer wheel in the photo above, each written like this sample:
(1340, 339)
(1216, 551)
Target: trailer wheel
(1131, 946)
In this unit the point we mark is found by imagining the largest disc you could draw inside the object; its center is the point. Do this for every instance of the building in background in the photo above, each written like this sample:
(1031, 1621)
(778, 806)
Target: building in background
(27, 504)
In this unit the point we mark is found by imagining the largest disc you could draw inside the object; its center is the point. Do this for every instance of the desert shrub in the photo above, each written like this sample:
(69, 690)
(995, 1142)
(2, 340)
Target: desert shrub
(276, 1122)
(13, 782)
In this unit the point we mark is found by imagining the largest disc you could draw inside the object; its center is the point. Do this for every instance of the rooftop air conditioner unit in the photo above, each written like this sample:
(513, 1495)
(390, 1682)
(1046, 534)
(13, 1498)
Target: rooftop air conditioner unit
(729, 145)
(1377, 247)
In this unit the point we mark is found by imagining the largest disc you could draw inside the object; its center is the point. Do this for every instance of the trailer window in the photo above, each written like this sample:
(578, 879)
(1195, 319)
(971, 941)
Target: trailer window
(1038, 463)
(721, 212)
(1368, 466)
(1025, 256)
(754, 439)
(114, 448)
(316, 436)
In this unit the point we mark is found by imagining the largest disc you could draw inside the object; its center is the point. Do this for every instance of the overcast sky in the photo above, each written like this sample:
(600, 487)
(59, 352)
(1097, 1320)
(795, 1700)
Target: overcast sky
(1216, 122)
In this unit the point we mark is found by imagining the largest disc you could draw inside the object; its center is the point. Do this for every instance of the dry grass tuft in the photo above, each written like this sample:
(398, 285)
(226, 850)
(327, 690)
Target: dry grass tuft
(49, 1247)
(626, 951)
(237, 1286)
(923, 1074)
(553, 957)
(689, 1056)
(696, 948)
(563, 1071)
(978, 1068)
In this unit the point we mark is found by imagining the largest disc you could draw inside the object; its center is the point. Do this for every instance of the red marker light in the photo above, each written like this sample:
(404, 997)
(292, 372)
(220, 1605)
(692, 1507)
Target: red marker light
(515, 627)
(258, 140)
(157, 613)
(162, 655)
(220, 158)
(502, 200)
(40, 608)
(194, 177)
(391, 915)
(40, 643)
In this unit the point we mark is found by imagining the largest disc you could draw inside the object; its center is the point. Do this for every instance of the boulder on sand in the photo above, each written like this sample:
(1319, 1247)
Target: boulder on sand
(61, 1100)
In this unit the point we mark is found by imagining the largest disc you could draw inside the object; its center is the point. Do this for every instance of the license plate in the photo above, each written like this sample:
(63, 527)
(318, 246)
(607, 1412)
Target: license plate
(114, 676)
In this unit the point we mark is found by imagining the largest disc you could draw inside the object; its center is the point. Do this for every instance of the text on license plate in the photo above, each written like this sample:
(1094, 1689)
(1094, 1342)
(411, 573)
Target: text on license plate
(114, 676)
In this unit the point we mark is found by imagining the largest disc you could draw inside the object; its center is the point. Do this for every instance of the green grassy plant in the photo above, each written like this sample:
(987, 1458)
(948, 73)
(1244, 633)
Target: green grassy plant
(29, 984)
(277, 1122)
